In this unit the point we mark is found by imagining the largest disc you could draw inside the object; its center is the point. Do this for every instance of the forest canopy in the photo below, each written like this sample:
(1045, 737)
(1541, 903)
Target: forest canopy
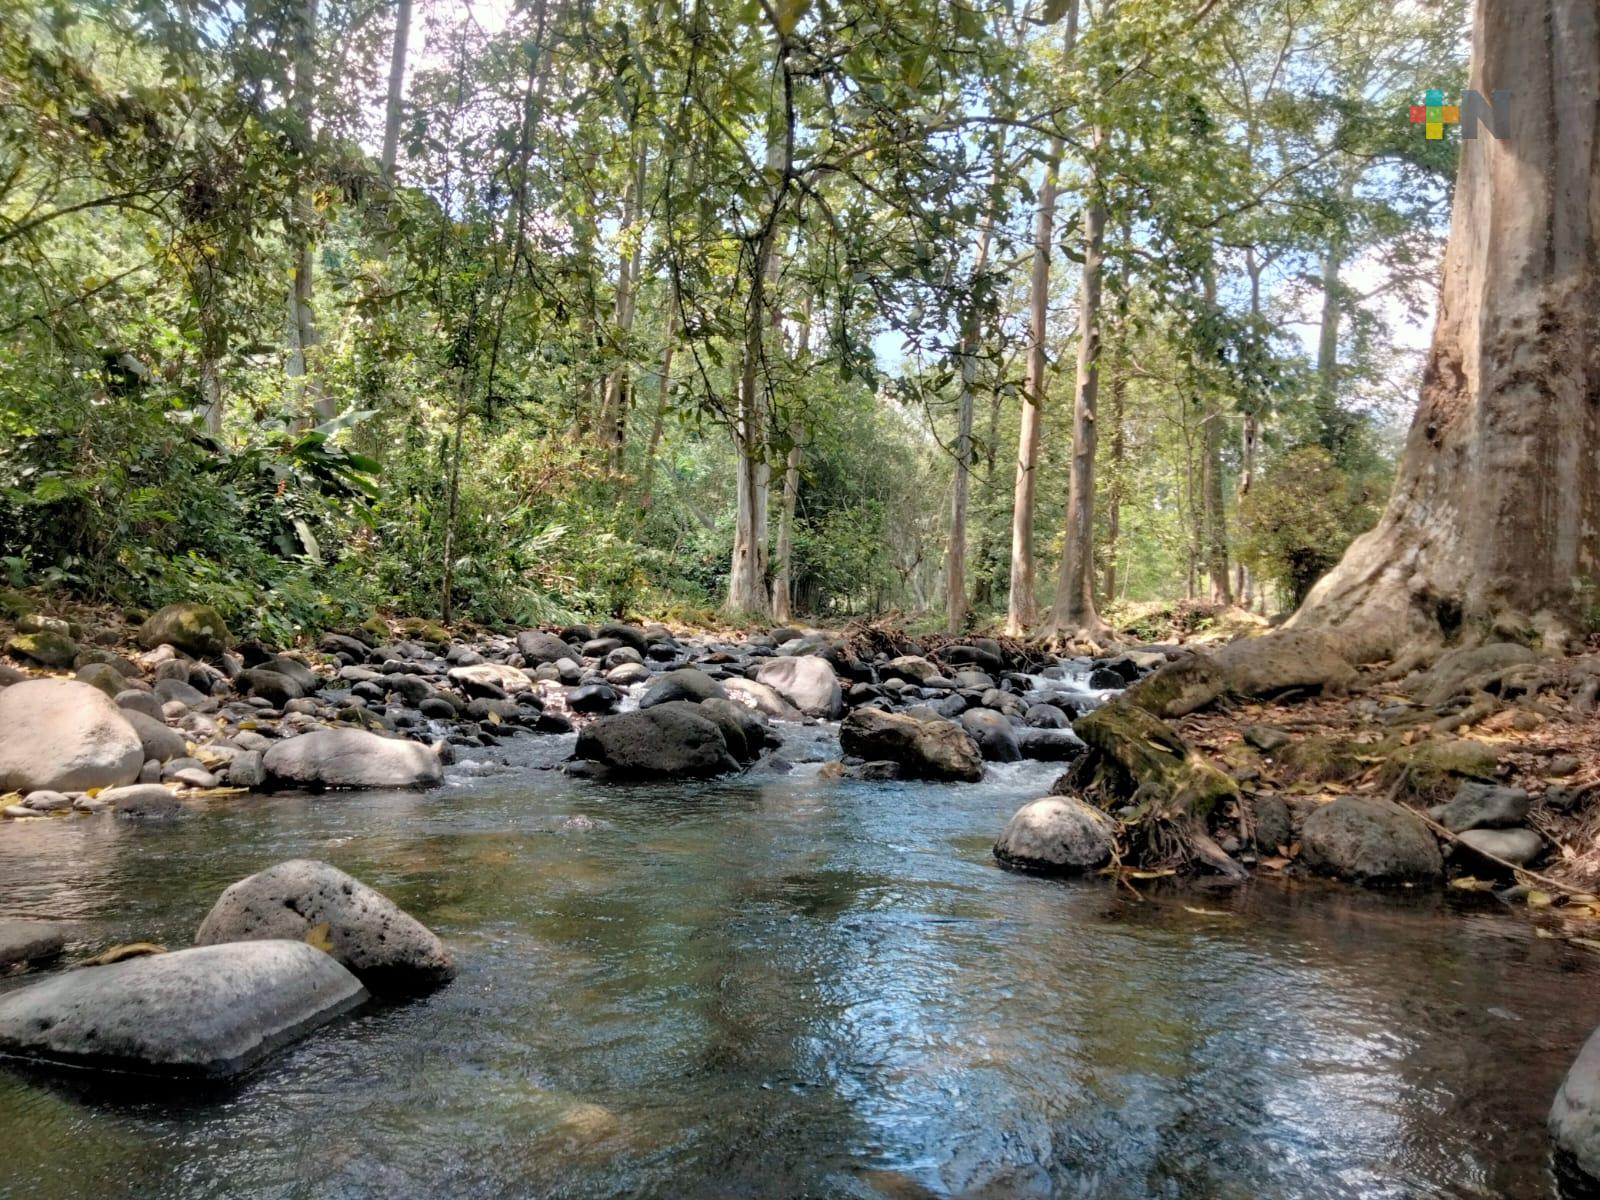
(988, 313)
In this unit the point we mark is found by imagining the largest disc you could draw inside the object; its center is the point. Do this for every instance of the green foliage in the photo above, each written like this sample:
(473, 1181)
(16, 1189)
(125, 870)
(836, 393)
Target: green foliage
(1297, 521)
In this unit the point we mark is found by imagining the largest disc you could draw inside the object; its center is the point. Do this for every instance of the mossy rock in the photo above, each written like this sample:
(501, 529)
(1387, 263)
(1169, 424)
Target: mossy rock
(196, 629)
(377, 630)
(13, 604)
(38, 622)
(1179, 688)
(425, 631)
(1434, 768)
(1318, 758)
(1134, 757)
(47, 648)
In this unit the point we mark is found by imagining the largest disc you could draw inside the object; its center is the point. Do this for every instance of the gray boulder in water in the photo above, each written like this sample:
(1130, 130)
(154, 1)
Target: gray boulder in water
(1575, 1116)
(668, 740)
(386, 947)
(210, 1011)
(686, 683)
(352, 758)
(932, 749)
(1370, 841)
(807, 682)
(1056, 835)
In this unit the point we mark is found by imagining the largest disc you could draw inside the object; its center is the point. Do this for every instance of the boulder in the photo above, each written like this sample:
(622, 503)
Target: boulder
(592, 698)
(913, 668)
(46, 647)
(473, 680)
(1483, 806)
(1285, 660)
(103, 676)
(159, 740)
(743, 729)
(1049, 745)
(1574, 1120)
(142, 802)
(537, 648)
(1046, 716)
(210, 1011)
(196, 629)
(352, 758)
(628, 635)
(683, 684)
(808, 682)
(63, 735)
(762, 698)
(996, 739)
(25, 942)
(665, 741)
(272, 686)
(1519, 847)
(387, 949)
(936, 749)
(1369, 841)
(1056, 835)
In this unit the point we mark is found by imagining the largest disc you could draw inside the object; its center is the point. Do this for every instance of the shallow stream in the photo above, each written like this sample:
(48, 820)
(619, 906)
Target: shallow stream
(779, 986)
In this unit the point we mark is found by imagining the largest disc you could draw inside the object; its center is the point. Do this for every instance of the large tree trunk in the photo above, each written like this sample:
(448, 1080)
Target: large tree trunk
(1020, 606)
(783, 580)
(1119, 387)
(971, 342)
(397, 79)
(303, 336)
(1213, 518)
(630, 262)
(1330, 430)
(669, 340)
(1074, 612)
(1494, 524)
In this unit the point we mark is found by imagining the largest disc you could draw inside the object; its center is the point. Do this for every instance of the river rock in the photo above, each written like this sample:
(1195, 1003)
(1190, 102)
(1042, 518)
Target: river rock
(936, 749)
(686, 683)
(196, 629)
(143, 802)
(273, 686)
(507, 678)
(996, 739)
(134, 700)
(387, 948)
(210, 1011)
(1574, 1120)
(47, 648)
(537, 648)
(352, 758)
(1049, 745)
(1483, 806)
(592, 698)
(667, 740)
(107, 678)
(63, 735)
(912, 668)
(1059, 834)
(762, 698)
(1369, 841)
(1519, 847)
(160, 741)
(808, 682)
(744, 729)
(628, 635)
(26, 942)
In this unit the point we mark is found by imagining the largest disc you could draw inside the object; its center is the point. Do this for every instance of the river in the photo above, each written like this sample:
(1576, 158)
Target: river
(780, 986)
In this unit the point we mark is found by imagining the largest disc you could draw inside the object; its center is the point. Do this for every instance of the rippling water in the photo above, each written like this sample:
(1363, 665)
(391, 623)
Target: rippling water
(780, 986)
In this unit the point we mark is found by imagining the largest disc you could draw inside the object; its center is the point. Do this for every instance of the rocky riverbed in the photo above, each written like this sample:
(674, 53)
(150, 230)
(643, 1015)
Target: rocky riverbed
(176, 720)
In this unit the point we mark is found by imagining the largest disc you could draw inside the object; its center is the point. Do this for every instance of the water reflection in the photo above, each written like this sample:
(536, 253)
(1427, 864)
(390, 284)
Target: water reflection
(783, 986)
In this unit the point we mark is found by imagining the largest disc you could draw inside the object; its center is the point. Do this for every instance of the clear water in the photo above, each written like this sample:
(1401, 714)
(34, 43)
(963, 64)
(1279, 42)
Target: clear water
(778, 986)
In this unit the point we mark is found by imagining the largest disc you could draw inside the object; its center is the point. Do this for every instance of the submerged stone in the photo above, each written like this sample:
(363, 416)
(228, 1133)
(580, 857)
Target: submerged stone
(210, 1011)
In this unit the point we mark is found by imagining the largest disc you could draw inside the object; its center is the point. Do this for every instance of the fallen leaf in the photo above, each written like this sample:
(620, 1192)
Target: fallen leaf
(1207, 912)
(321, 937)
(127, 950)
(1538, 899)
(1274, 864)
(1467, 883)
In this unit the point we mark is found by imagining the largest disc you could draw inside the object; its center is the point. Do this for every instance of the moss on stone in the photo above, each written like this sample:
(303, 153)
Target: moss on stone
(194, 628)
(46, 647)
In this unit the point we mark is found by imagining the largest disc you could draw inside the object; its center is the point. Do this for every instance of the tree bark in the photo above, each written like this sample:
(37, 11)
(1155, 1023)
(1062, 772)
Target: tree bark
(1021, 608)
(1493, 528)
(663, 397)
(1119, 387)
(1074, 612)
(397, 80)
(303, 334)
(783, 581)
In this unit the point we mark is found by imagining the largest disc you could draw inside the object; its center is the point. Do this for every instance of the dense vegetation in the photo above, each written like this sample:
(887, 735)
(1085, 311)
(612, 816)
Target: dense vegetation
(604, 306)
